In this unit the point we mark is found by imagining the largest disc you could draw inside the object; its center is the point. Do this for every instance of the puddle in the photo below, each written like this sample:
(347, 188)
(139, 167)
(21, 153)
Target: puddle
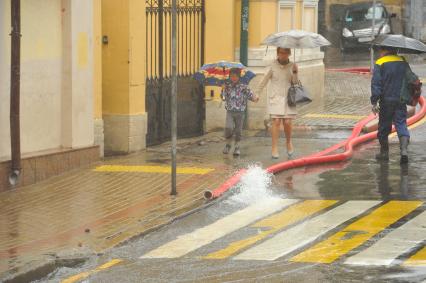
(408, 275)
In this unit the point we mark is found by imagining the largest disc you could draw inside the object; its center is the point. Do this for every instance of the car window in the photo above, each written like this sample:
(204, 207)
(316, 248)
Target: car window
(380, 13)
(364, 14)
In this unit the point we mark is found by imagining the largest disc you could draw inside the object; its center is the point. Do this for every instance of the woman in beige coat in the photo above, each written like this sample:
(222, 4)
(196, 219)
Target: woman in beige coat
(280, 75)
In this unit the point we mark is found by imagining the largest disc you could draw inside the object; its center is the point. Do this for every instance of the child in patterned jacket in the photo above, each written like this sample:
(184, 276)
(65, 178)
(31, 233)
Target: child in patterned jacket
(235, 94)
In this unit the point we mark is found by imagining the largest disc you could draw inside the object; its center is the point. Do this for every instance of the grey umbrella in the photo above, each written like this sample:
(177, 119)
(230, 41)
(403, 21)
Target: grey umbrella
(296, 39)
(402, 43)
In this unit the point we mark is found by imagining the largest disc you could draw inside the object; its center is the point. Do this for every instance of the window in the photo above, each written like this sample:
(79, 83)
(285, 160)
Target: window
(286, 15)
(359, 15)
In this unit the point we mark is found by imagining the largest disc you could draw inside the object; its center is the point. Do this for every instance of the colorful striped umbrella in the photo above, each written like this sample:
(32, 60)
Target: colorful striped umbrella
(216, 74)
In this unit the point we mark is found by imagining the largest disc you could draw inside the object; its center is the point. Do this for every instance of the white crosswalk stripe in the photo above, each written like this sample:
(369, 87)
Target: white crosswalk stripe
(284, 241)
(206, 235)
(397, 242)
(302, 234)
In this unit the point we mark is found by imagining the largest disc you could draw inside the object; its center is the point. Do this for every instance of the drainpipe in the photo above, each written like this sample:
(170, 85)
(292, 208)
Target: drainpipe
(174, 96)
(15, 75)
(244, 32)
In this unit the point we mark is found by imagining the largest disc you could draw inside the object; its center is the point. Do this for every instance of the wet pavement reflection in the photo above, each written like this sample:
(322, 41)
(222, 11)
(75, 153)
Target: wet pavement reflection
(385, 188)
(362, 181)
(382, 181)
(363, 177)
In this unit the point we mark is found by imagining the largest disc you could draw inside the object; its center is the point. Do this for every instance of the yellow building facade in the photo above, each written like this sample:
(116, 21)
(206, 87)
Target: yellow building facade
(124, 24)
(123, 75)
(265, 17)
(87, 68)
(59, 87)
(125, 27)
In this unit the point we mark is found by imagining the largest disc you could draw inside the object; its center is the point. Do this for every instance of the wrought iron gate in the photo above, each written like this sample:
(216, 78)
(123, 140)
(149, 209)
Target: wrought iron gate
(190, 56)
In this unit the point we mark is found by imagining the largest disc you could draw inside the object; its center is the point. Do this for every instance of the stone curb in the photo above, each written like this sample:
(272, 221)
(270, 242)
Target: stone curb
(41, 269)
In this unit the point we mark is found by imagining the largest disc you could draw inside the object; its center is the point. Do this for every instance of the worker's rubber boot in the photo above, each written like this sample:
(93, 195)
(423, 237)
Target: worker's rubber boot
(403, 145)
(384, 151)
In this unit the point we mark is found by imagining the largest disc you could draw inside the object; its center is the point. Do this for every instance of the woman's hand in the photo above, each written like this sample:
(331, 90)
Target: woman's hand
(295, 68)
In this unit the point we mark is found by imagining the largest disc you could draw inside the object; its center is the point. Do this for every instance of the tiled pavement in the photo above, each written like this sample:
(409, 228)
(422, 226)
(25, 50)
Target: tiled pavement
(346, 101)
(85, 211)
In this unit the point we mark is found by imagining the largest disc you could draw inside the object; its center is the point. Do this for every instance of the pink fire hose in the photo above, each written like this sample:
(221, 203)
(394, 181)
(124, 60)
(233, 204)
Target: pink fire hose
(322, 157)
(359, 70)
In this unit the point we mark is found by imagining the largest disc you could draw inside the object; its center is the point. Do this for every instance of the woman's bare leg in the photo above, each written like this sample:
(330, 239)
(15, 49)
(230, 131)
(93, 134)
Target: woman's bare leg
(288, 129)
(275, 133)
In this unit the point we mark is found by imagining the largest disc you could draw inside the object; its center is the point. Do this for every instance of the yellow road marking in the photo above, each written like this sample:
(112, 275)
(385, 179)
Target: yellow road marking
(335, 116)
(415, 125)
(357, 233)
(274, 223)
(84, 275)
(153, 169)
(418, 259)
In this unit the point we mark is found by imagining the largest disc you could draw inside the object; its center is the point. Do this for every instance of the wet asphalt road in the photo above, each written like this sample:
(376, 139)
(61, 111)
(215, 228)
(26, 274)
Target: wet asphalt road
(361, 179)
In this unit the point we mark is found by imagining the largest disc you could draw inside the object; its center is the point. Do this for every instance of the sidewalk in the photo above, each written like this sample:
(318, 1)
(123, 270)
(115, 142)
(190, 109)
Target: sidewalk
(346, 101)
(89, 211)
(94, 209)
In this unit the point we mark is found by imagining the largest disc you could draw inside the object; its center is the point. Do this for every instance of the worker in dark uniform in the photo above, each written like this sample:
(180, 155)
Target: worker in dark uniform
(386, 85)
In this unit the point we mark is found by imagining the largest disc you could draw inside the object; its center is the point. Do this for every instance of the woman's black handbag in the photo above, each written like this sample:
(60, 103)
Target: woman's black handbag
(297, 94)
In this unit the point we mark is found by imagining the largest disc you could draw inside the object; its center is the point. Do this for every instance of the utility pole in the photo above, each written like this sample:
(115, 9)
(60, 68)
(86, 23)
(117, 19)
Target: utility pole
(174, 97)
(244, 41)
(15, 79)
(373, 36)
(244, 32)
(417, 18)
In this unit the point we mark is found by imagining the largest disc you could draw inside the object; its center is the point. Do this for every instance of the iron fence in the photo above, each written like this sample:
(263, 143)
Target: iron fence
(190, 57)
(190, 37)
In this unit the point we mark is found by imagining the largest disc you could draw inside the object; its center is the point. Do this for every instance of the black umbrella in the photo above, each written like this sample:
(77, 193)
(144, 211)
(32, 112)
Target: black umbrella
(402, 43)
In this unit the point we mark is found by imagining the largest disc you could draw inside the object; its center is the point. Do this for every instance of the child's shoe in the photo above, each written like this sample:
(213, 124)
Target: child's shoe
(227, 148)
(237, 150)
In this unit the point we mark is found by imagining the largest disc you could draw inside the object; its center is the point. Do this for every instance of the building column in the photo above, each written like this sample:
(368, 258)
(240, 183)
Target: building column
(97, 75)
(221, 18)
(123, 67)
(77, 80)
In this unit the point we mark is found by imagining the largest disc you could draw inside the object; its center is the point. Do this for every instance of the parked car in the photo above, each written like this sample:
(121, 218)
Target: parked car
(357, 24)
